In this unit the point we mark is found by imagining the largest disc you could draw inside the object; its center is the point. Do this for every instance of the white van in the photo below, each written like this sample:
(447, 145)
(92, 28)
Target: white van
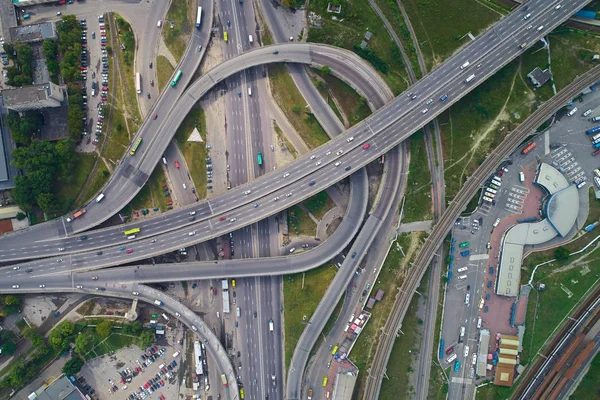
(461, 277)
(249, 91)
(521, 176)
(159, 23)
(463, 269)
(176, 354)
(250, 38)
(467, 297)
(165, 317)
(237, 312)
(470, 78)
(99, 198)
(481, 303)
(465, 65)
(572, 112)
(131, 237)
(165, 160)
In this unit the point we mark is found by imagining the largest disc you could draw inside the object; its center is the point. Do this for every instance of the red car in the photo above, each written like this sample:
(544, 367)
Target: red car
(129, 251)
(155, 348)
(151, 82)
(366, 146)
(102, 33)
(176, 164)
(450, 350)
(156, 116)
(223, 218)
(162, 397)
(162, 383)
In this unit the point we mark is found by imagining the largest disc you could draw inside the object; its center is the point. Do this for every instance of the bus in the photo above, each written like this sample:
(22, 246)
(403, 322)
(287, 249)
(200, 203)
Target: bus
(325, 379)
(135, 146)
(259, 158)
(138, 83)
(225, 36)
(224, 379)
(177, 78)
(528, 148)
(241, 393)
(132, 231)
(199, 18)
(464, 244)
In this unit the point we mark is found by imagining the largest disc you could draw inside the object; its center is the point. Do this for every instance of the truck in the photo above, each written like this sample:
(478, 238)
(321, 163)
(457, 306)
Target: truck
(224, 284)
(470, 78)
(590, 226)
(271, 325)
(224, 380)
(199, 18)
(309, 394)
(158, 303)
(77, 214)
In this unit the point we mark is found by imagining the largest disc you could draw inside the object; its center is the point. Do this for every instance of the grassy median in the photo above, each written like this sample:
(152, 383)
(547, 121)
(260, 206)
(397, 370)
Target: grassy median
(177, 27)
(164, 71)
(300, 223)
(418, 204)
(302, 294)
(194, 152)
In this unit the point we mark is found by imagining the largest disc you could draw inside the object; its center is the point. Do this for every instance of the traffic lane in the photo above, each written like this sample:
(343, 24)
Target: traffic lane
(179, 175)
(75, 221)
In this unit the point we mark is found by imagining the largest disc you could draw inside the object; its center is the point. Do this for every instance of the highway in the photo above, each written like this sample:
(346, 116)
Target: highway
(508, 145)
(383, 130)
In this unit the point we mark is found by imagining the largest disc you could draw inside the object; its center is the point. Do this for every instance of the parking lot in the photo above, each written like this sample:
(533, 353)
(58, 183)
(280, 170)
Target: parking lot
(134, 374)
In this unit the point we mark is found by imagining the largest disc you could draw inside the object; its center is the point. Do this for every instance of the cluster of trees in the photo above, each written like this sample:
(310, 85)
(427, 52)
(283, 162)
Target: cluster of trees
(24, 127)
(69, 45)
(50, 49)
(24, 370)
(77, 114)
(371, 57)
(45, 163)
(9, 304)
(127, 39)
(21, 74)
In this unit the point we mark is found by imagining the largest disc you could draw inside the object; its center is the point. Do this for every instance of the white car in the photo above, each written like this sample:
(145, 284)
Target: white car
(192, 212)
(247, 192)
(337, 164)
(527, 16)
(61, 249)
(135, 293)
(59, 260)
(15, 286)
(177, 315)
(232, 219)
(289, 194)
(192, 233)
(466, 352)
(339, 152)
(474, 361)
(16, 268)
(42, 286)
(328, 153)
(318, 163)
(429, 101)
(424, 111)
(194, 328)
(529, 27)
(351, 138)
(286, 174)
(79, 287)
(276, 198)
(293, 249)
(313, 157)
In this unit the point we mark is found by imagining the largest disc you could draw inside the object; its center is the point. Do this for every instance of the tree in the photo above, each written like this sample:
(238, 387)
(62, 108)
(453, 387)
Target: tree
(325, 70)
(146, 339)
(296, 108)
(17, 375)
(9, 348)
(73, 366)
(56, 338)
(104, 328)
(561, 253)
(12, 300)
(21, 216)
(66, 328)
(136, 327)
(83, 343)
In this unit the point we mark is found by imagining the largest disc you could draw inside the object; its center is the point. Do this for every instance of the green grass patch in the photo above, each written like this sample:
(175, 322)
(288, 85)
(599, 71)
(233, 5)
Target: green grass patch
(320, 85)
(572, 53)
(100, 178)
(389, 280)
(178, 25)
(355, 19)
(418, 203)
(544, 314)
(493, 392)
(118, 139)
(394, 16)
(441, 29)
(118, 341)
(302, 293)
(406, 348)
(300, 223)
(293, 105)
(164, 71)
(194, 152)
(334, 316)
(470, 130)
(472, 204)
(589, 387)
(152, 195)
(353, 105)
(284, 140)
(69, 191)
(319, 204)
(21, 324)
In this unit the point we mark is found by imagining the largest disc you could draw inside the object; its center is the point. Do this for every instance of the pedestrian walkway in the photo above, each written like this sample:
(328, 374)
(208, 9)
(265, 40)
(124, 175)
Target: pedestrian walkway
(416, 226)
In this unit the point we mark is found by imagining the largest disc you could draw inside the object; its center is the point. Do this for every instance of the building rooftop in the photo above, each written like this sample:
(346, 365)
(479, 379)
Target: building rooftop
(24, 95)
(550, 178)
(484, 342)
(344, 385)
(33, 33)
(562, 209)
(60, 389)
(539, 77)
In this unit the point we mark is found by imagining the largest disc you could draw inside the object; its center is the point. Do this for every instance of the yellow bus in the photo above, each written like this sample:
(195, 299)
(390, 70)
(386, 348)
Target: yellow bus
(242, 394)
(233, 283)
(325, 379)
(132, 231)
(225, 36)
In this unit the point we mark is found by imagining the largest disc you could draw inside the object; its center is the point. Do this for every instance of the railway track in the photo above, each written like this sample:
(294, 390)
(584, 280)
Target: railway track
(508, 145)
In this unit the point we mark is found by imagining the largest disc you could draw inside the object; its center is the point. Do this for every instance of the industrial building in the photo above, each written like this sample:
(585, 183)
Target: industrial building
(35, 97)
